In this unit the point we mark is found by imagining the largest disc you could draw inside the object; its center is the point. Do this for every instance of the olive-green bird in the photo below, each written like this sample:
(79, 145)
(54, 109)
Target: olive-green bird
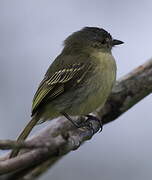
(78, 81)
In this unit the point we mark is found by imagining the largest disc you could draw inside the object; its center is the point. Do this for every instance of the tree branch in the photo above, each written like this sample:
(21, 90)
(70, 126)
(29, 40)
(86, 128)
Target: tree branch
(61, 137)
(10, 144)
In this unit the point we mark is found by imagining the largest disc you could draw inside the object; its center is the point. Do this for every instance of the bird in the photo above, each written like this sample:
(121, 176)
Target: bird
(79, 80)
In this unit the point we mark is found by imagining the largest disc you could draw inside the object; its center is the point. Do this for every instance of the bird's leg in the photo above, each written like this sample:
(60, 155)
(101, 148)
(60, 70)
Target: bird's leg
(69, 118)
(81, 125)
(86, 123)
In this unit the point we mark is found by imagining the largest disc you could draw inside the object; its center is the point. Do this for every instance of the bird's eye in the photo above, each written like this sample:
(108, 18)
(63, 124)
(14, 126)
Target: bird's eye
(105, 41)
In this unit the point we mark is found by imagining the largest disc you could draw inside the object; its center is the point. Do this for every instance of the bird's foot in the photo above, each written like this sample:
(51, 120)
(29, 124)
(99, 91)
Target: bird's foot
(85, 123)
(88, 124)
(90, 117)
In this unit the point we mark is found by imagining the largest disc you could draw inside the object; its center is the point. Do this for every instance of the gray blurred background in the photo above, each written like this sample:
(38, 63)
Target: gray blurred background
(31, 36)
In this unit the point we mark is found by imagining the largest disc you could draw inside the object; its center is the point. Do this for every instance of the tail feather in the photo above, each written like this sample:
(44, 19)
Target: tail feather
(26, 131)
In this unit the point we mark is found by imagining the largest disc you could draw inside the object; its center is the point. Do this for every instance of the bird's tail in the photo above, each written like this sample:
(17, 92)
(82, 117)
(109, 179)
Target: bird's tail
(26, 131)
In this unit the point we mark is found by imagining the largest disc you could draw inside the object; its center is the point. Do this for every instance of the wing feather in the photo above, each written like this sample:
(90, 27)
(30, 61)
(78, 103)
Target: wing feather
(53, 86)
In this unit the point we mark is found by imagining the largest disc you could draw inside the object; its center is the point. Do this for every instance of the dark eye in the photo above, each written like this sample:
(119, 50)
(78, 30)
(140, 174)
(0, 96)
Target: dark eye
(105, 41)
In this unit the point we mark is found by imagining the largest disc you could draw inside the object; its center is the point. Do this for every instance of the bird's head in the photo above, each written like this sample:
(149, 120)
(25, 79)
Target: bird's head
(93, 37)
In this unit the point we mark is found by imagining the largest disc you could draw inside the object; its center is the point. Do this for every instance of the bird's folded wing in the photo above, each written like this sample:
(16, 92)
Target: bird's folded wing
(60, 81)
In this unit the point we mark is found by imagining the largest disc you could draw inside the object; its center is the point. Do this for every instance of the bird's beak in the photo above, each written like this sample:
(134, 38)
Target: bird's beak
(116, 42)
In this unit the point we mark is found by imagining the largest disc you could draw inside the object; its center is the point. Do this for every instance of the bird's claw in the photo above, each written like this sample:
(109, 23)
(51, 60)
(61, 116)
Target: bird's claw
(87, 124)
(90, 117)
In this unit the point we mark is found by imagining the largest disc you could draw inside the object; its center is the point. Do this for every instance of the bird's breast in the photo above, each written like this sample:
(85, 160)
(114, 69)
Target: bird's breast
(99, 84)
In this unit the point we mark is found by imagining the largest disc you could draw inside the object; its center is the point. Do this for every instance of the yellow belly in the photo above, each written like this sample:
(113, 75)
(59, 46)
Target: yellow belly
(99, 85)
